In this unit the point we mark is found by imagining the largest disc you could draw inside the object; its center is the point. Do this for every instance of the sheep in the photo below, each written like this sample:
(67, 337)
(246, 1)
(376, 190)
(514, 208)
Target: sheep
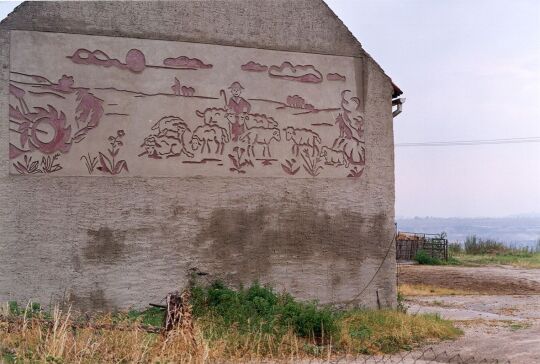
(217, 116)
(302, 137)
(334, 157)
(260, 135)
(204, 134)
(170, 131)
(260, 120)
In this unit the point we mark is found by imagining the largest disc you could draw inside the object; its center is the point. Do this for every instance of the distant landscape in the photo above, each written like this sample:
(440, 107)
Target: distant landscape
(519, 231)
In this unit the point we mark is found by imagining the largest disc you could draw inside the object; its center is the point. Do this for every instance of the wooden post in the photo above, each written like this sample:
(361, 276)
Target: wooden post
(178, 314)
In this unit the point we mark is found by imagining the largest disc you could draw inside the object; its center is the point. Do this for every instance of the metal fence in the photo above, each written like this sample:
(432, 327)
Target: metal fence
(408, 244)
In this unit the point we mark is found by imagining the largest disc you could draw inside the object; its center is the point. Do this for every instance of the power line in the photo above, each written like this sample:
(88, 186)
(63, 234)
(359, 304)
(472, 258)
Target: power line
(471, 142)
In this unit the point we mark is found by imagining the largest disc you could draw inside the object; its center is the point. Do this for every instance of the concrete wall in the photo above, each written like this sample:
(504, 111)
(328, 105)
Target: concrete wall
(128, 240)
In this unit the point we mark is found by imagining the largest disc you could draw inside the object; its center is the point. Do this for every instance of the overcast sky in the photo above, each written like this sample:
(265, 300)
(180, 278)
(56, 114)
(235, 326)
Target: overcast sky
(469, 70)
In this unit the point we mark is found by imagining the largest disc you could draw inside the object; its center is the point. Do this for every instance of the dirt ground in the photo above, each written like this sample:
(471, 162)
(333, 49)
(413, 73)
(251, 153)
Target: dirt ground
(491, 280)
(501, 323)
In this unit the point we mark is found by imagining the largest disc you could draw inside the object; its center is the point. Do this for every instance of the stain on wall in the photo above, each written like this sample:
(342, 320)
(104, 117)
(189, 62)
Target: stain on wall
(105, 246)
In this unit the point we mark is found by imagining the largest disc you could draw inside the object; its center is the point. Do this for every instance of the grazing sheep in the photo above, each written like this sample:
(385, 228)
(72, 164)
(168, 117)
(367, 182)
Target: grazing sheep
(302, 137)
(260, 120)
(217, 116)
(204, 134)
(260, 135)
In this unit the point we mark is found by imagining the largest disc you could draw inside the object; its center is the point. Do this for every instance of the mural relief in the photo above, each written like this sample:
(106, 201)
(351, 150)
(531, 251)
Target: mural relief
(171, 115)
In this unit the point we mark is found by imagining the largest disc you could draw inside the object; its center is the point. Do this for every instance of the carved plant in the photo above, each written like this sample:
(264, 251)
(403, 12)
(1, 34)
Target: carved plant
(290, 167)
(312, 165)
(28, 167)
(110, 165)
(355, 172)
(239, 161)
(49, 165)
(90, 162)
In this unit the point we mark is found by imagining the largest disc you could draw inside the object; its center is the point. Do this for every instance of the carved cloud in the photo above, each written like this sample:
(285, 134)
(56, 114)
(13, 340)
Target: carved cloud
(335, 77)
(299, 73)
(186, 63)
(254, 67)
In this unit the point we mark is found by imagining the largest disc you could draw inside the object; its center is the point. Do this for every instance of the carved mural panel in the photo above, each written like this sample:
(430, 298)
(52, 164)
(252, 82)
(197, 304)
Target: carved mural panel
(103, 106)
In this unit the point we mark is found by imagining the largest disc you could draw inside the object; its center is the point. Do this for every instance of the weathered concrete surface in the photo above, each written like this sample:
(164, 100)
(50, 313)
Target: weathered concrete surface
(116, 242)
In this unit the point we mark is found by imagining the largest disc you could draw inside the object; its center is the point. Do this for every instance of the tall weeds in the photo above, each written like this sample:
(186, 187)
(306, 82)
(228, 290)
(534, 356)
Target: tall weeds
(229, 325)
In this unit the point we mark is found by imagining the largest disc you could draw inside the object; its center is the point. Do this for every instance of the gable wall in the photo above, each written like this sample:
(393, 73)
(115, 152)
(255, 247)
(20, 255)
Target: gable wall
(106, 242)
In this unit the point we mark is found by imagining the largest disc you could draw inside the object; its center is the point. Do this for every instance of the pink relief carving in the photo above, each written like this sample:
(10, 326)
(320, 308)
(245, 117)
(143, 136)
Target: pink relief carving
(64, 84)
(15, 151)
(254, 67)
(186, 63)
(16, 91)
(301, 137)
(48, 165)
(181, 90)
(109, 164)
(89, 110)
(334, 157)
(239, 160)
(299, 73)
(355, 172)
(135, 60)
(312, 164)
(167, 140)
(335, 77)
(351, 129)
(266, 161)
(29, 130)
(290, 167)
(260, 136)
(204, 135)
(298, 102)
(203, 161)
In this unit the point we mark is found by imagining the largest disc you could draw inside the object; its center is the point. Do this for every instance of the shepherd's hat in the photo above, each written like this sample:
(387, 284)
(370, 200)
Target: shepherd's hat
(236, 85)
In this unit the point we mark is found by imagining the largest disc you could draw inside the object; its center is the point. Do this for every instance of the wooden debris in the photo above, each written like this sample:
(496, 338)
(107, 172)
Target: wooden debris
(178, 315)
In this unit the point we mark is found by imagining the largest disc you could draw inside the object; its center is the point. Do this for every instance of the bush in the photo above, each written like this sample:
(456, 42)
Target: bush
(455, 248)
(260, 308)
(474, 245)
(422, 257)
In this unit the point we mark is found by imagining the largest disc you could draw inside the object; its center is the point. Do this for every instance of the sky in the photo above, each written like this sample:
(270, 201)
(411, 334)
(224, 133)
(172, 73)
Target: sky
(470, 70)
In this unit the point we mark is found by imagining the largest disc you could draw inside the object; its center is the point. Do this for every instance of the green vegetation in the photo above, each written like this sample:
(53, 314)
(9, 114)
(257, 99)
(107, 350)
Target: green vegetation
(514, 326)
(422, 257)
(260, 308)
(254, 323)
(477, 251)
(475, 245)
(522, 260)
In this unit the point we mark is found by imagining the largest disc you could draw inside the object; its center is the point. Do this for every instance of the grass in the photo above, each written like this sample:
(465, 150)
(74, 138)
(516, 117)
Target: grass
(477, 251)
(255, 323)
(515, 326)
(515, 259)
